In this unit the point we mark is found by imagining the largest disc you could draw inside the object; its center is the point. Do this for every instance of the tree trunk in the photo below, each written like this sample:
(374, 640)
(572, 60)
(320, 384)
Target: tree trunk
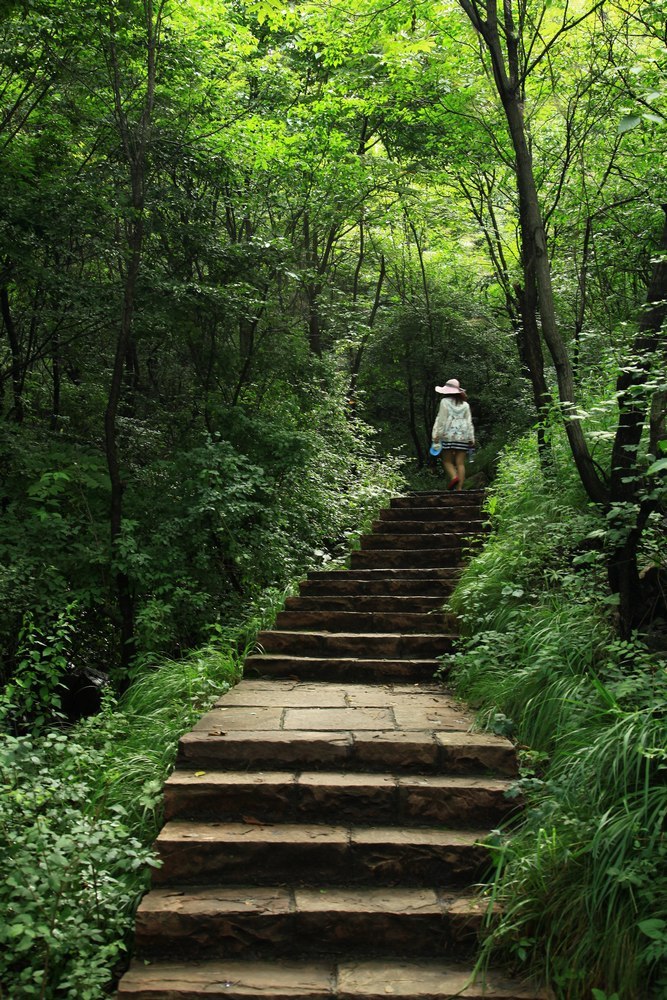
(532, 359)
(536, 260)
(135, 141)
(56, 380)
(627, 486)
(123, 586)
(414, 433)
(508, 80)
(16, 412)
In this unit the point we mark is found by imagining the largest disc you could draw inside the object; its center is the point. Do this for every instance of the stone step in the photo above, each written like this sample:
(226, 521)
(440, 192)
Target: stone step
(403, 526)
(405, 622)
(279, 920)
(365, 602)
(328, 796)
(429, 752)
(378, 645)
(374, 582)
(467, 498)
(430, 557)
(399, 573)
(313, 854)
(423, 540)
(440, 491)
(453, 516)
(351, 669)
(323, 979)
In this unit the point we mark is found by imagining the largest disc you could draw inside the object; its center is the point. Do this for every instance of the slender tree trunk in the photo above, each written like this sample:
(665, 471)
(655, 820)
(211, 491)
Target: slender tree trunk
(359, 353)
(507, 74)
(536, 259)
(56, 380)
(532, 359)
(123, 585)
(135, 141)
(414, 432)
(16, 412)
(626, 485)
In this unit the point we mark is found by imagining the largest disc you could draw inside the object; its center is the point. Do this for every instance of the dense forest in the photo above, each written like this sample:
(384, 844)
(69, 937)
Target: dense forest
(240, 243)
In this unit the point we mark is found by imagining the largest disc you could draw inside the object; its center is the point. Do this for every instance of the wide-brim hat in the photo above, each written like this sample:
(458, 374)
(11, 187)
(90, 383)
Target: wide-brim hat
(450, 388)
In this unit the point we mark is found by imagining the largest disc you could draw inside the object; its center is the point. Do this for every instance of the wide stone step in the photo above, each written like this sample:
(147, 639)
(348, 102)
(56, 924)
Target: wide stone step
(324, 979)
(468, 498)
(279, 920)
(422, 540)
(462, 529)
(361, 750)
(351, 669)
(312, 854)
(365, 602)
(426, 515)
(405, 622)
(426, 582)
(430, 557)
(344, 644)
(328, 796)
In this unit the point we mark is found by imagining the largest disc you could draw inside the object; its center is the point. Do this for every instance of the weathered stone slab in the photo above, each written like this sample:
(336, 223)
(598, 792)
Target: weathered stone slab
(228, 718)
(225, 795)
(285, 694)
(376, 583)
(398, 749)
(476, 752)
(397, 522)
(418, 540)
(266, 749)
(228, 851)
(354, 644)
(331, 719)
(364, 622)
(424, 856)
(417, 715)
(453, 801)
(222, 921)
(376, 980)
(384, 558)
(348, 797)
(352, 669)
(394, 603)
(228, 979)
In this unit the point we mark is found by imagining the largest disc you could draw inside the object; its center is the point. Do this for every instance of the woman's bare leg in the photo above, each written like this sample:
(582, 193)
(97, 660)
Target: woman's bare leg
(460, 457)
(449, 462)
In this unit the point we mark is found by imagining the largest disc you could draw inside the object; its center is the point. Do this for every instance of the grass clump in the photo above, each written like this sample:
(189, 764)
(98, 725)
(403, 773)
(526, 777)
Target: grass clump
(581, 879)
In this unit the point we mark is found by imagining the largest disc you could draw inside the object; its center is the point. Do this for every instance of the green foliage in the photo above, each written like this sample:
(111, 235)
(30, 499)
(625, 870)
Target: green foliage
(206, 531)
(78, 813)
(35, 691)
(582, 876)
(72, 875)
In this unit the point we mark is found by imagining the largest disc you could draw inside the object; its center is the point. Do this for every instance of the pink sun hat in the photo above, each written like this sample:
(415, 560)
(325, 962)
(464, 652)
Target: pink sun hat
(452, 387)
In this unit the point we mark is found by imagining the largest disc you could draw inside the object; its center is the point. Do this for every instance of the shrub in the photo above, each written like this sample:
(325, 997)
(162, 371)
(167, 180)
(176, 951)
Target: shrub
(582, 876)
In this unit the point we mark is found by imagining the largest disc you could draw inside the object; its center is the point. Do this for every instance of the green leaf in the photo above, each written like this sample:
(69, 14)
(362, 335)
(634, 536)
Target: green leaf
(658, 466)
(628, 122)
(653, 928)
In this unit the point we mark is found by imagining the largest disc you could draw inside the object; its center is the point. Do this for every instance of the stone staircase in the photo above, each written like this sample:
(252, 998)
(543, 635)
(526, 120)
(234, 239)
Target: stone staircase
(323, 825)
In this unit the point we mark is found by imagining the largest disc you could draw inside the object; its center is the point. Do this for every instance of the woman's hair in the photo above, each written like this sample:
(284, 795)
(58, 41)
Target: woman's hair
(459, 398)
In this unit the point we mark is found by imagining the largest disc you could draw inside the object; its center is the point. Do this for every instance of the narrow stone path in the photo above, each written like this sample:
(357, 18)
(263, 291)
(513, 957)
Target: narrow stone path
(323, 824)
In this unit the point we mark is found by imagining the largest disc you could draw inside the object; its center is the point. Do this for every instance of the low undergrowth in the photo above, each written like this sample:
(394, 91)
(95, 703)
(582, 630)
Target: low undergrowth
(79, 809)
(582, 878)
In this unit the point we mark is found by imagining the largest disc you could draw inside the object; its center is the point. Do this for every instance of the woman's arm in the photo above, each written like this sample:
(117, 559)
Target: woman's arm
(439, 425)
(471, 426)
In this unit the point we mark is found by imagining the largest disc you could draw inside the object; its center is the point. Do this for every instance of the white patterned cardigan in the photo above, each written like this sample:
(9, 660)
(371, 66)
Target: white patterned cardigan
(453, 425)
